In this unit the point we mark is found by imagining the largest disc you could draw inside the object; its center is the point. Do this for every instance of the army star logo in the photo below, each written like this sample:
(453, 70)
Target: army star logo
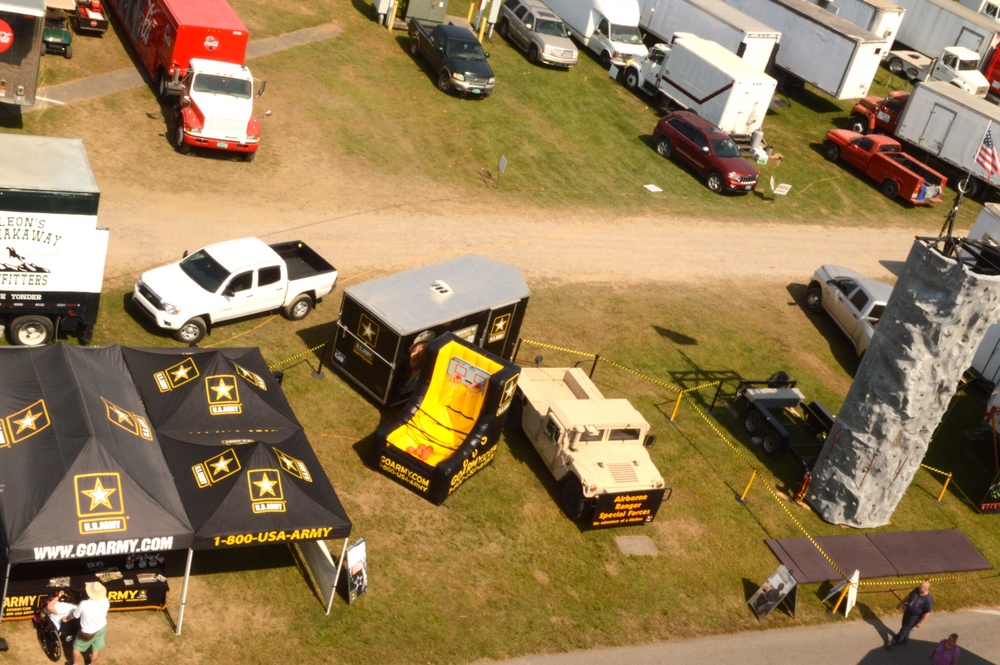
(223, 395)
(265, 491)
(265, 485)
(26, 423)
(99, 496)
(368, 330)
(176, 375)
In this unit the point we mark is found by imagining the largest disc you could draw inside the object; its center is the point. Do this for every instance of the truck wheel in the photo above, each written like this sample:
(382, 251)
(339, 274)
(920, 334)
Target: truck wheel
(299, 308)
(665, 148)
(772, 443)
(572, 497)
(249, 156)
(753, 422)
(31, 331)
(161, 81)
(858, 124)
(182, 147)
(503, 28)
(814, 297)
(444, 81)
(832, 152)
(533, 55)
(890, 189)
(191, 332)
(414, 48)
(969, 186)
(714, 182)
(605, 60)
(631, 79)
(68, 53)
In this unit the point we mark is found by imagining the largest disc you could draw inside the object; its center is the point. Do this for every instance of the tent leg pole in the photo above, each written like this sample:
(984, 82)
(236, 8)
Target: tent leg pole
(336, 578)
(3, 598)
(184, 592)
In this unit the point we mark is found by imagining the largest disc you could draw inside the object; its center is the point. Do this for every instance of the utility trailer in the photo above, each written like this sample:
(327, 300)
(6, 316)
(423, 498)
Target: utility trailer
(818, 47)
(714, 20)
(882, 17)
(777, 412)
(931, 25)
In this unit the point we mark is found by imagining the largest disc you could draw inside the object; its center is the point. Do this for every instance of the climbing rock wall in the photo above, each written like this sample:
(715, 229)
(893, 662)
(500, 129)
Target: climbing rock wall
(937, 316)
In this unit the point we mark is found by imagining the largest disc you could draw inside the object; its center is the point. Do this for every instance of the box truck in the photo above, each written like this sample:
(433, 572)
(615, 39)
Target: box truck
(609, 28)
(951, 124)
(881, 17)
(819, 47)
(990, 8)
(195, 51)
(931, 25)
(52, 262)
(21, 26)
(744, 35)
(702, 76)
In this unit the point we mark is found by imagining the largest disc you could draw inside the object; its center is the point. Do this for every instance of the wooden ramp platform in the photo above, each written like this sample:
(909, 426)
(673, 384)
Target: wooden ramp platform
(904, 553)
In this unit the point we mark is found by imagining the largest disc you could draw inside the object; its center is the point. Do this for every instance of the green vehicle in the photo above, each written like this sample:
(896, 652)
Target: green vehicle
(57, 36)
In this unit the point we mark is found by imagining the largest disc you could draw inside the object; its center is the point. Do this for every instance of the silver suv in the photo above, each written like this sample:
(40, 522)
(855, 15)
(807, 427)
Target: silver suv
(536, 29)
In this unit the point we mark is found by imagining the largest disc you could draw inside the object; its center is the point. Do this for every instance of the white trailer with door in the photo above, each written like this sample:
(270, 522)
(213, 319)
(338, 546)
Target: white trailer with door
(609, 28)
(750, 39)
(931, 25)
(818, 47)
(950, 124)
(703, 76)
(988, 8)
(882, 17)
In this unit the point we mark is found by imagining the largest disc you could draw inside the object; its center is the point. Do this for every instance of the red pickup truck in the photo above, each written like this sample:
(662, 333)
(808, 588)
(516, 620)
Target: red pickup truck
(882, 159)
(878, 114)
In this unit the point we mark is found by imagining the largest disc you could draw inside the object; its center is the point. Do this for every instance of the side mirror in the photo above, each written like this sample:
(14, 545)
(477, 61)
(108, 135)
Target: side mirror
(228, 292)
(486, 55)
(538, 361)
(185, 100)
(260, 90)
(649, 440)
(704, 149)
(528, 26)
(185, 254)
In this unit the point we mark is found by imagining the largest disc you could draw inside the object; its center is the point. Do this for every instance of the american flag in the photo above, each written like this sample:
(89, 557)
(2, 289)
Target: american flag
(987, 156)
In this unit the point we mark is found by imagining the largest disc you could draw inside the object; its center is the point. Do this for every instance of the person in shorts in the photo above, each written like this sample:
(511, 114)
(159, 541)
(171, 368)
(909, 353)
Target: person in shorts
(93, 615)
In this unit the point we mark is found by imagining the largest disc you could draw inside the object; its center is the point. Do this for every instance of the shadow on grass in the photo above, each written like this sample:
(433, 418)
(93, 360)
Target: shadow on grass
(840, 346)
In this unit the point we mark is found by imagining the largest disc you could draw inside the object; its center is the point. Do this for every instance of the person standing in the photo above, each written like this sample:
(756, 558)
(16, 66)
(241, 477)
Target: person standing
(916, 608)
(946, 652)
(93, 615)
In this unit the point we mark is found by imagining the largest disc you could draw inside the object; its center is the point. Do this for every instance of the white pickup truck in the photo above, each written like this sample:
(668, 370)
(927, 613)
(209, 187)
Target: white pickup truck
(230, 280)
(595, 447)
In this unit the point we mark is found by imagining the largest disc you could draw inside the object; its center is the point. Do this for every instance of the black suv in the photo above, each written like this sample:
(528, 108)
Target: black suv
(707, 149)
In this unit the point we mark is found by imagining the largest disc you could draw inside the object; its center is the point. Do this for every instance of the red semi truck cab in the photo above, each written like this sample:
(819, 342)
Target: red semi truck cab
(184, 43)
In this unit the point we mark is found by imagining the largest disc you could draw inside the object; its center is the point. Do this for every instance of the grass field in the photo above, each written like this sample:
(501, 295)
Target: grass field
(498, 571)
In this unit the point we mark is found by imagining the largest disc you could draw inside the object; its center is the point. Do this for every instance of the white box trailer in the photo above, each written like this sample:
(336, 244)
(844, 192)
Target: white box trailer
(818, 47)
(21, 25)
(718, 85)
(609, 28)
(882, 17)
(742, 34)
(950, 124)
(986, 361)
(931, 25)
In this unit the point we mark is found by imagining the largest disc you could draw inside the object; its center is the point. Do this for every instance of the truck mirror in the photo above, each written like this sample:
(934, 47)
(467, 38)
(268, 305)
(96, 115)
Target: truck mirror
(228, 292)
(649, 440)
(185, 100)
(260, 90)
(184, 255)
(486, 55)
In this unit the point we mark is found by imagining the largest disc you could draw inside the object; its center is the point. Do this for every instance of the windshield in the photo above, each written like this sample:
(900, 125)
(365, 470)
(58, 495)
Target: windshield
(554, 28)
(466, 50)
(204, 270)
(725, 147)
(628, 34)
(223, 85)
(968, 65)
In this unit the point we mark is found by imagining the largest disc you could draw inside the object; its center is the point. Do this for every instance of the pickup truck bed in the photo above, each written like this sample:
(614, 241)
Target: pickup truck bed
(301, 260)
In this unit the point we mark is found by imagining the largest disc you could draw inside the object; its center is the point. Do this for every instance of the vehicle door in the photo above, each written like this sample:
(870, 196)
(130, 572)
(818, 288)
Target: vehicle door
(651, 66)
(243, 295)
(685, 145)
(857, 153)
(700, 151)
(519, 29)
(839, 305)
(549, 441)
(861, 302)
(888, 116)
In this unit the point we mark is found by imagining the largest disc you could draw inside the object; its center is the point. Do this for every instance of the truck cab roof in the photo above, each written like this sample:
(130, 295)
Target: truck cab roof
(220, 68)
(242, 252)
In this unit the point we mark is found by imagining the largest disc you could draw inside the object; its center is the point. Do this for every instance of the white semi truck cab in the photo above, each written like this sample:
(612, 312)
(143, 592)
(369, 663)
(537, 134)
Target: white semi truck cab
(956, 64)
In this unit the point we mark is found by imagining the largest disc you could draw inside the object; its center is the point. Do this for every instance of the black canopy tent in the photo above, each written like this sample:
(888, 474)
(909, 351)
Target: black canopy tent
(81, 472)
(85, 472)
(245, 470)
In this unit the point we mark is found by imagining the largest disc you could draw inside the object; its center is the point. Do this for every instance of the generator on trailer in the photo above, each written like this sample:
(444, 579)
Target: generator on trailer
(52, 261)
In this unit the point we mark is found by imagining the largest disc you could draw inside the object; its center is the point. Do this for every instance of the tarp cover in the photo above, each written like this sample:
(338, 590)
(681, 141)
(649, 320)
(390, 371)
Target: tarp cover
(245, 470)
(81, 472)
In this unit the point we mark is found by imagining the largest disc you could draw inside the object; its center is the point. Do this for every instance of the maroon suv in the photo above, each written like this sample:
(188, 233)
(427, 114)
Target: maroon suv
(707, 149)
